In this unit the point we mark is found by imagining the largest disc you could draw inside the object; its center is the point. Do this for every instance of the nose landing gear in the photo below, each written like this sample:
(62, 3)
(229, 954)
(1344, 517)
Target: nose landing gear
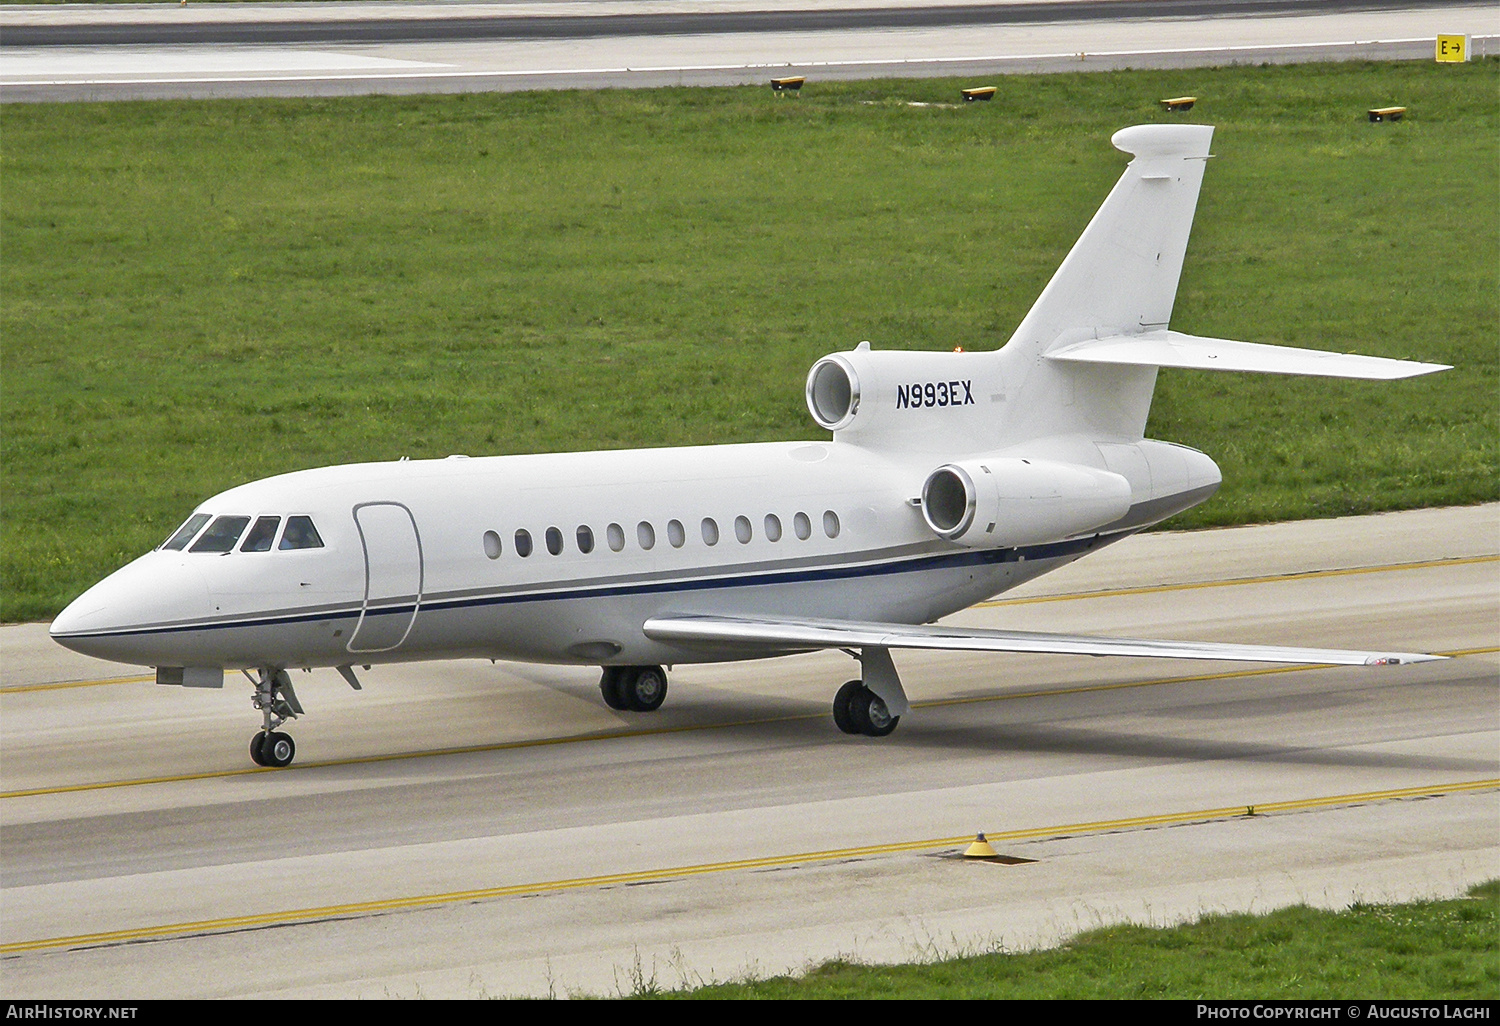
(277, 703)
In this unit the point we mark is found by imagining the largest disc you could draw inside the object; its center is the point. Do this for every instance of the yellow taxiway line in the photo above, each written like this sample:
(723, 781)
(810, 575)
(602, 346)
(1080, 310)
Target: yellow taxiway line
(363, 908)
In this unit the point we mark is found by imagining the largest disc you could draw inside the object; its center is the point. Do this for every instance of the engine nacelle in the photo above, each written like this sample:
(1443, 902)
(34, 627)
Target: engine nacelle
(917, 400)
(1001, 502)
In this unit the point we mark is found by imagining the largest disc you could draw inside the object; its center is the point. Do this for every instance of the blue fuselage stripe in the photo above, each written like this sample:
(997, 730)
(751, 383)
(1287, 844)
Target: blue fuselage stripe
(945, 561)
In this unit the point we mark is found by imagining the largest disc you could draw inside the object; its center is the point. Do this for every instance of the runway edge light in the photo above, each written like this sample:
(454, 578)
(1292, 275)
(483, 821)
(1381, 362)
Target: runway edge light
(980, 849)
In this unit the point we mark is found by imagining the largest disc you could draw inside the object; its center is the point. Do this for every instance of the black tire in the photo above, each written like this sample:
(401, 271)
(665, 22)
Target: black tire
(869, 714)
(279, 750)
(257, 743)
(645, 688)
(842, 717)
(609, 687)
(875, 719)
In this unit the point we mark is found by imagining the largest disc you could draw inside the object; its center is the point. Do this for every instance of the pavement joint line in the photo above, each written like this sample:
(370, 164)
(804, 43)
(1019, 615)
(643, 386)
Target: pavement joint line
(357, 909)
(12, 689)
(1301, 575)
(615, 735)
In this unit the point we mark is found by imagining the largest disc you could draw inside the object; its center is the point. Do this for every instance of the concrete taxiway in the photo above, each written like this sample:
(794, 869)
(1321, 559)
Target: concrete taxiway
(465, 829)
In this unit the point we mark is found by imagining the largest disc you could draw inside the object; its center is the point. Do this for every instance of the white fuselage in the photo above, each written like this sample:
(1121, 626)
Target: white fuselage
(406, 570)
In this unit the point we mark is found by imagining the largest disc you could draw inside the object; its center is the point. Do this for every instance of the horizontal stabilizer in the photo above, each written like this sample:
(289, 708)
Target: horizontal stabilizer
(1174, 349)
(787, 635)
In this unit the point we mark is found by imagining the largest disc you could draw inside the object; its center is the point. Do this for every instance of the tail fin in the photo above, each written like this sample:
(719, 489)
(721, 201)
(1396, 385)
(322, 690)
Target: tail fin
(1120, 279)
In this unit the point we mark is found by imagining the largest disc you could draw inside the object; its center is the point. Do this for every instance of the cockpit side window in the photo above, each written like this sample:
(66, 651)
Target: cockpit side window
(221, 535)
(261, 535)
(300, 534)
(185, 533)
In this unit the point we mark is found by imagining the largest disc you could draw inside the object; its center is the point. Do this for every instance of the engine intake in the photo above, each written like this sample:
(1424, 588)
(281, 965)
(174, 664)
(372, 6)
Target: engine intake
(833, 392)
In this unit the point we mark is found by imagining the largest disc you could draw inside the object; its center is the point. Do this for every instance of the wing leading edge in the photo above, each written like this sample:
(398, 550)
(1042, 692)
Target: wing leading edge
(790, 635)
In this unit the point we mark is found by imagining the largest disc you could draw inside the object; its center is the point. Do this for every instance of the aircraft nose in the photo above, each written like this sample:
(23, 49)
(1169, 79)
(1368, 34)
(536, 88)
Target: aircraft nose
(113, 618)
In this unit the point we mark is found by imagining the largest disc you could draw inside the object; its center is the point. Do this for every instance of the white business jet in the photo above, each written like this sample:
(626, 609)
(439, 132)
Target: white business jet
(950, 477)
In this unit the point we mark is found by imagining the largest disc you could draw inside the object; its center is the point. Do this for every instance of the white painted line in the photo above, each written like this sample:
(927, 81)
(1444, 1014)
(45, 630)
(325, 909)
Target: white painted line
(381, 68)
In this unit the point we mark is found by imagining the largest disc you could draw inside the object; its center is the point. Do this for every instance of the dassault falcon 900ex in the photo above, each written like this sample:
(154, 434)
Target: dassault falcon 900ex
(950, 477)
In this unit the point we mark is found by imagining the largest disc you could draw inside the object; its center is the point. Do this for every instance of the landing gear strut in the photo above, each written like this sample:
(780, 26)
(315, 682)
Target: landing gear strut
(636, 688)
(277, 703)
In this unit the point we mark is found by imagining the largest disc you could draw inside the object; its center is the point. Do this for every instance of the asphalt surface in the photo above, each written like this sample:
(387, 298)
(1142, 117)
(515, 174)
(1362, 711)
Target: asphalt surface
(125, 51)
(379, 27)
(464, 829)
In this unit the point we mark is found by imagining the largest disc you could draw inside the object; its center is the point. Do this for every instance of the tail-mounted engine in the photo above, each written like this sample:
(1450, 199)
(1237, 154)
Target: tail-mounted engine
(914, 399)
(988, 502)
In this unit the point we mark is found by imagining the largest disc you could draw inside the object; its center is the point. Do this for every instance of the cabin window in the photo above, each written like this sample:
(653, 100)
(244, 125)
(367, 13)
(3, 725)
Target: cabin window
(773, 527)
(742, 529)
(585, 540)
(675, 533)
(616, 535)
(831, 524)
(185, 533)
(523, 543)
(221, 535)
(492, 544)
(261, 535)
(645, 534)
(801, 526)
(300, 534)
(710, 531)
(554, 541)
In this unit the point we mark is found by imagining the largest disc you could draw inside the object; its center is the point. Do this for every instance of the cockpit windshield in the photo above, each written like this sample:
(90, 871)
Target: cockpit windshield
(185, 533)
(221, 535)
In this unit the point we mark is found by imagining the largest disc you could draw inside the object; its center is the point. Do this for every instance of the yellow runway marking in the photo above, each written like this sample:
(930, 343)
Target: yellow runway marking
(61, 685)
(613, 735)
(362, 908)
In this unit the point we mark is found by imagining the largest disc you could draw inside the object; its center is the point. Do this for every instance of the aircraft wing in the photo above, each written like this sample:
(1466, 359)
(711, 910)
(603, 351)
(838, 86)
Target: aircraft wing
(793, 635)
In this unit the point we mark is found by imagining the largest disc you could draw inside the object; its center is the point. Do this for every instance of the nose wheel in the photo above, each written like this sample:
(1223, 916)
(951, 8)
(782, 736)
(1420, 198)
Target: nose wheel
(274, 749)
(277, 703)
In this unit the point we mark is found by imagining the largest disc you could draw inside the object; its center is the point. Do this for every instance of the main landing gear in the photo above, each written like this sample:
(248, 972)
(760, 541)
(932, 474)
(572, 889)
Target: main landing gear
(277, 703)
(858, 710)
(634, 688)
(873, 705)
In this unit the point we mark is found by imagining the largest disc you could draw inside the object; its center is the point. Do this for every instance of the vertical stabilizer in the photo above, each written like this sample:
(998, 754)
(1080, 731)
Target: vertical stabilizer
(1120, 279)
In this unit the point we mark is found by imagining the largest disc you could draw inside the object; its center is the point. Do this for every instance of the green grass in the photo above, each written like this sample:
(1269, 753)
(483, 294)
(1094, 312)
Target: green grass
(1423, 950)
(195, 294)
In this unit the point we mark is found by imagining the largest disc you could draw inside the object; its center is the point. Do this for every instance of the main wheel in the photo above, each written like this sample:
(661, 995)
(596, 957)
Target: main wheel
(279, 749)
(257, 743)
(644, 688)
(842, 717)
(609, 686)
(870, 715)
